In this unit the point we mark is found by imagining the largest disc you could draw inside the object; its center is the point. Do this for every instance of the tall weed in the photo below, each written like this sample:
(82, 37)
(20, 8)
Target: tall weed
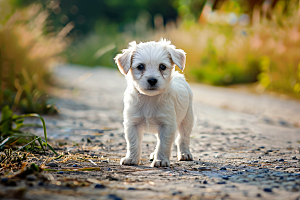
(26, 55)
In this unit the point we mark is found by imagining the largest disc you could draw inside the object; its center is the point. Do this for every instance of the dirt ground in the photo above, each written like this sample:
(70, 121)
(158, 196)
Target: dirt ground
(245, 146)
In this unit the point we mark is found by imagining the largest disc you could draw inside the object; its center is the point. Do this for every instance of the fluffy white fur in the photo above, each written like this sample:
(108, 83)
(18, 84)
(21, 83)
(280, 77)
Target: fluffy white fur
(162, 109)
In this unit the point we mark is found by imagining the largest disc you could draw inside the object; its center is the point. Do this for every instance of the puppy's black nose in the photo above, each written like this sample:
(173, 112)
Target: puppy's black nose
(152, 81)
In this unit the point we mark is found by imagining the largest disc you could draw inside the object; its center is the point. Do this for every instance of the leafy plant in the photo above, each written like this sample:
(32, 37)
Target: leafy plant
(11, 133)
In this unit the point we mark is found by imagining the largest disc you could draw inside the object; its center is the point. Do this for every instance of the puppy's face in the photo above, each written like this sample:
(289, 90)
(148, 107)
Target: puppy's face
(149, 65)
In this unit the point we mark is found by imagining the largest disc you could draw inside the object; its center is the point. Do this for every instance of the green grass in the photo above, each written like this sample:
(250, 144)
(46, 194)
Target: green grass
(11, 134)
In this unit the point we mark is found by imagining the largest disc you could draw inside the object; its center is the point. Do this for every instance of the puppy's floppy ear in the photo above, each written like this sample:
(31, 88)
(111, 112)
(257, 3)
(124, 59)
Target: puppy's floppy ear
(177, 56)
(123, 60)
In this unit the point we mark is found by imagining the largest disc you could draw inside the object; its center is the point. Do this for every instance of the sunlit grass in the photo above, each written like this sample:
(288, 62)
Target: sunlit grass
(26, 57)
(268, 53)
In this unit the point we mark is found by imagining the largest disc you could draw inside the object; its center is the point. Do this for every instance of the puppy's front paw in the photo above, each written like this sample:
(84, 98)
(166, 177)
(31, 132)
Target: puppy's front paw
(129, 161)
(160, 163)
(185, 156)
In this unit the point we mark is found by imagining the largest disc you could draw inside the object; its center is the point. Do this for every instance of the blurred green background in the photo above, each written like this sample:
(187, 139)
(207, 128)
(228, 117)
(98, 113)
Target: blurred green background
(228, 42)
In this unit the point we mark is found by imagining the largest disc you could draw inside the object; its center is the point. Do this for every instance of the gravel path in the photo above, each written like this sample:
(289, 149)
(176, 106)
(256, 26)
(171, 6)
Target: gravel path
(245, 146)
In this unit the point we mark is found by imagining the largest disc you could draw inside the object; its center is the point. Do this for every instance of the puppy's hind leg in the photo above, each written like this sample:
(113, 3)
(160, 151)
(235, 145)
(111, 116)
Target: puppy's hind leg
(183, 138)
(134, 137)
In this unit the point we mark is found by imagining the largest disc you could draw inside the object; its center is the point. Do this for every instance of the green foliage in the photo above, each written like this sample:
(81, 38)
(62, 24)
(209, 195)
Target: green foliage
(218, 68)
(219, 53)
(97, 49)
(11, 133)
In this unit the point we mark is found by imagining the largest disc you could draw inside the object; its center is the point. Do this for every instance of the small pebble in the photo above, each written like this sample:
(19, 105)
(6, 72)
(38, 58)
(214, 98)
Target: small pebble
(60, 172)
(231, 186)
(223, 168)
(31, 177)
(204, 182)
(282, 122)
(112, 197)
(258, 195)
(108, 169)
(268, 189)
(131, 188)
(151, 160)
(40, 183)
(280, 160)
(262, 147)
(106, 161)
(225, 177)
(243, 180)
(278, 167)
(4, 180)
(99, 186)
(290, 179)
(200, 186)
(52, 165)
(185, 170)
(294, 158)
(177, 192)
(221, 182)
(75, 165)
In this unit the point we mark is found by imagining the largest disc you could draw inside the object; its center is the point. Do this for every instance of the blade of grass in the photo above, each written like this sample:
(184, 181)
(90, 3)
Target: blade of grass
(50, 147)
(35, 115)
(4, 142)
(30, 125)
(41, 143)
(58, 157)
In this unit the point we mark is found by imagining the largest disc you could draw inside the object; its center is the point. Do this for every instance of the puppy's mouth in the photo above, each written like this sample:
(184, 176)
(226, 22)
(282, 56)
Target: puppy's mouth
(152, 88)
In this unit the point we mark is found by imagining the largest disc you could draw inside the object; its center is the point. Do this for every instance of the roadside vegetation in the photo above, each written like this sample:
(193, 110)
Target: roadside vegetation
(27, 54)
(224, 45)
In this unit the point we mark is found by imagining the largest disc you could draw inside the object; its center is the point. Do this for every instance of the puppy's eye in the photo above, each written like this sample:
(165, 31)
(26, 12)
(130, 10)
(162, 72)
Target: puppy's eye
(141, 67)
(162, 67)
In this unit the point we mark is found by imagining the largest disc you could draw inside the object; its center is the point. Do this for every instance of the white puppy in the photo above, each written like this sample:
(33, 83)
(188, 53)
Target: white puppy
(157, 100)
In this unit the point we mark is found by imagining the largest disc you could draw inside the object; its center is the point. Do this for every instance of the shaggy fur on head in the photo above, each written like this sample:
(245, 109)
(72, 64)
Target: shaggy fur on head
(157, 100)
